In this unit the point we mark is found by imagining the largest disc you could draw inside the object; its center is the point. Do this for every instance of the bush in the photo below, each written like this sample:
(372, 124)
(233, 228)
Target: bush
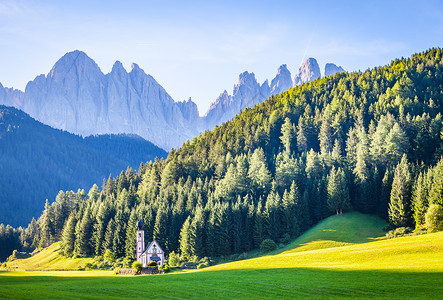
(268, 245)
(166, 268)
(137, 266)
(4, 265)
(400, 231)
(203, 265)
(434, 218)
(126, 262)
(152, 263)
(109, 256)
(89, 266)
(174, 259)
(117, 271)
(286, 239)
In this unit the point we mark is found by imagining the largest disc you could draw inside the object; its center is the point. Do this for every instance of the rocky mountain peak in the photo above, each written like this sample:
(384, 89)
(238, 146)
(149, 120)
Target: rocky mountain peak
(75, 62)
(282, 81)
(308, 71)
(331, 69)
(118, 68)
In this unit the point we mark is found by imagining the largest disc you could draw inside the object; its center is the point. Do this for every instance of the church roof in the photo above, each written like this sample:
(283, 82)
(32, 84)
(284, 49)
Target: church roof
(150, 244)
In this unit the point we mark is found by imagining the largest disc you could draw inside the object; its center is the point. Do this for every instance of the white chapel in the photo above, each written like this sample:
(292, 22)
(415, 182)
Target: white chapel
(152, 252)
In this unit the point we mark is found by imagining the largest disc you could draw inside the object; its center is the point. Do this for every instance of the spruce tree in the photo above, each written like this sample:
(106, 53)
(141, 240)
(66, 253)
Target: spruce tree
(131, 237)
(399, 205)
(185, 239)
(109, 236)
(68, 236)
(47, 226)
(420, 200)
(338, 192)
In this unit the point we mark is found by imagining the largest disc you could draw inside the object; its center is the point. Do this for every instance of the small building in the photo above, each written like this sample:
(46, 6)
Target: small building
(153, 252)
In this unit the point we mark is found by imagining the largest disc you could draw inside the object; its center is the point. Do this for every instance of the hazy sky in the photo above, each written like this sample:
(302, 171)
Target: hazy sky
(198, 48)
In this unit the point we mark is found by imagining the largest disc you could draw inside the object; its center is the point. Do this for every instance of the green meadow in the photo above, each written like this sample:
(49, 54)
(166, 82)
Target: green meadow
(343, 256)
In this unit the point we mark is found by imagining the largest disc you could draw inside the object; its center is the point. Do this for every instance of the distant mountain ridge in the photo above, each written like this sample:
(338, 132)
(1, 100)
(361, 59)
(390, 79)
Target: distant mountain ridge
(37, 161)
(77, 97)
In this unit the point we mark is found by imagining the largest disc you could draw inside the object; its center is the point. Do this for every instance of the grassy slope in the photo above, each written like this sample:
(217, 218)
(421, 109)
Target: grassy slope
(397, 268)
(49, 259)
(342, 230)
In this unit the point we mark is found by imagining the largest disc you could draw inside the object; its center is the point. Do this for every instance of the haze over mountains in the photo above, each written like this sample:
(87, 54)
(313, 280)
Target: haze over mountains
(77, 97)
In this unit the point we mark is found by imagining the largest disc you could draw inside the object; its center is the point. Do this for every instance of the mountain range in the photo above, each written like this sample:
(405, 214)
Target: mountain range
(37, 161)
(78, 97)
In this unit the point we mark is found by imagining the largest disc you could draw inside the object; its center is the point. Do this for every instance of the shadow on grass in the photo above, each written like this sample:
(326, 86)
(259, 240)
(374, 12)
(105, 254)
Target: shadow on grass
(263, 283)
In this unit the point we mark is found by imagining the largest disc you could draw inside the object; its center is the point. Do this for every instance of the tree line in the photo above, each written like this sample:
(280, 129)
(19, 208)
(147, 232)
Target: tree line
(368, 141)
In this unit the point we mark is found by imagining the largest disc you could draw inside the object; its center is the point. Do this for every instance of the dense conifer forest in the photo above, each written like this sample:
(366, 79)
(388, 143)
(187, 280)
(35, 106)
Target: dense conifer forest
(36, 161)
(367, 141)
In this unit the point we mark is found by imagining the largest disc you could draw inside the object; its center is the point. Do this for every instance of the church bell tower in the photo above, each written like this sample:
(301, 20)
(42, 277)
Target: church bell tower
(140, 240)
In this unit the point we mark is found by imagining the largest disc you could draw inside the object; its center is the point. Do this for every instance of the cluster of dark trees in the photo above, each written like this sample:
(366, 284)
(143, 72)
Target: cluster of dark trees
(368, 141)
(36, 161)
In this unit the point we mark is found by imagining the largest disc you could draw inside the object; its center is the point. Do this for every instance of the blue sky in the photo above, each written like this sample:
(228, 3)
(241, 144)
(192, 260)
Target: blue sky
(197, 48)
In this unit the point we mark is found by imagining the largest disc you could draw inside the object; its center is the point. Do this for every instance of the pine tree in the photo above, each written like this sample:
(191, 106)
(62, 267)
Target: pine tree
(47, 226)
(83, 242)
(102, 220)
(131, 237)
(338, 192)
(288, 133)
(68, 236)
(109, 236)
(290, 201)
(161, 227)
(302, 142)
(185, 239)
(399, 206)
(420, 200)
(258, 173)
(397, 144)
(436, 189)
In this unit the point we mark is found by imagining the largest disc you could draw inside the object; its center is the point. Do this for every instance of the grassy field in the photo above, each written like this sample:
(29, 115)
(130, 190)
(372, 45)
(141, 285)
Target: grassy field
(49, 259)
(355, 267)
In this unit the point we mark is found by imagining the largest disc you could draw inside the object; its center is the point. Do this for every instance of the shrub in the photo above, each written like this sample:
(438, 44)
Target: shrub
(434, 218)
(286, 239)
(4, 265)
(126, 262)
(117, 271)
(174, 259)
(166, 268)
(109, 256)
(400, 231)
(137, 266)
(203, 265)
(268, 245)
(89, 266)
(152, 263)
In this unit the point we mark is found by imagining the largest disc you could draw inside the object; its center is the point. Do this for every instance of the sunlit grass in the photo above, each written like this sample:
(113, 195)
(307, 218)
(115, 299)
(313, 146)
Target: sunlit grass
(361, 267)
(49, 259)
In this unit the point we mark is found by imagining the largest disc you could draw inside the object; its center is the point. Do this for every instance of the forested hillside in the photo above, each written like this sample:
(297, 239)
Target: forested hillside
(36, 161)
(365, 141)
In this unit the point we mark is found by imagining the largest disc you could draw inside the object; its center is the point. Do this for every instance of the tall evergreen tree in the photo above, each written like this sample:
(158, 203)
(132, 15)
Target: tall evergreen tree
(399, 205)
(68, 236)
(338, 192)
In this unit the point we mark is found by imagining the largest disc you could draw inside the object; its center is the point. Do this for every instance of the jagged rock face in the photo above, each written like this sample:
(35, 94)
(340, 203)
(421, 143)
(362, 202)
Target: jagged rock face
(331, 69)
(308, 71)
(282, 81)
(189, 110)
(77, 97)
(247, 93)
(11, 97)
